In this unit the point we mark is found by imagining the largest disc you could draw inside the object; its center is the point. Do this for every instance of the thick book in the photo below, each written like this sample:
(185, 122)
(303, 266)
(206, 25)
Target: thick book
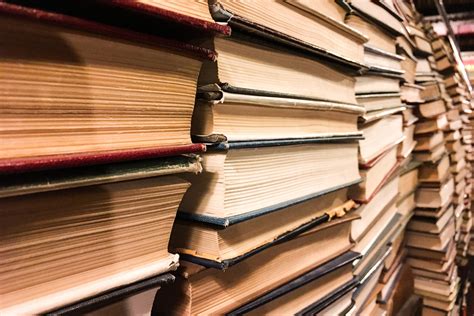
(247, 65)
(213, 246)
(374, 176)
(378, 38)
(52, 180)
(331, 40)
(214, 291)
(136, 298)
(377, 14)
(242, 180)
(434, 197)
(379, 102)
(379, 136)
(220, 115)
(374, 208)
(436, 241)
(308, 292)
(88, 100)
(171, 19)
(122, 230)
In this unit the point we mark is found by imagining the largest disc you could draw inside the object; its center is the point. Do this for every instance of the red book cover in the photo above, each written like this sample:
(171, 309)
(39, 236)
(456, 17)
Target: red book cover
(93, 27)
(75, 160)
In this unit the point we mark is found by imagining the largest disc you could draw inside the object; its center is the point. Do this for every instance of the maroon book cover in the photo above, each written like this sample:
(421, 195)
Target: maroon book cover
(84, 159)
(89, 26)
(168, 15)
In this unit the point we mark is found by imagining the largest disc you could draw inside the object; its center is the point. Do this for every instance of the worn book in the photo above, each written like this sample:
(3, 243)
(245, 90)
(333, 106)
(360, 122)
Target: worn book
(78, 99)
(379, 102)
(429, 224)
(436, 241)
(431, 125)
(436, 196)
(369, 212)
(428, 142)
(430, 156)
(434, 172)
(408, 144)
(311, 292)
(291, 25)
(122, 228)
(431, 109)
(379, 136)
(220, 248)
(136, 298)
(374, 176)
(377, 83)
(378, 38)
(411, 93)
(214, 291)
(379, 13)
(242, 180)
(220, 115)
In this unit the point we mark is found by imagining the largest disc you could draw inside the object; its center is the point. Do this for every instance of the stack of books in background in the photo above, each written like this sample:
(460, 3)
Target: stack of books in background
(440, 200)
(460, 151)
(253, 232)
(386, 194)
(315, 160)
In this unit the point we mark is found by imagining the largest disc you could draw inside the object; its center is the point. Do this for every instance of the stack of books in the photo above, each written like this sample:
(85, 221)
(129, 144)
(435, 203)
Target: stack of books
(440, 198)
(94, 122)
(386, 281)
(231, 157)
(460, 145)
(253, 231)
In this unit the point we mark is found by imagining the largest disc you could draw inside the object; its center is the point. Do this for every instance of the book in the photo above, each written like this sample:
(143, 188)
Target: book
(374, 176)
(431, 241)
(378, 15)
(408, 144)
(241, 117)
(377, 83)
(257, 275)
(428, 142)
(216, 247)
(331, 39)
(378, 102)
(435, 197)
(237, 70)
(434, 172)
(431, 225)
(310, 292)
(408, 180)
(411, 93)
(126, 224)
(82, 115)
(324, 9)
(432, 125)
(377, 205)
(242, 179)
(378, 139)
(135, 298)
(377, 59)
(433, 155)
(431, 109)
(176, 19)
